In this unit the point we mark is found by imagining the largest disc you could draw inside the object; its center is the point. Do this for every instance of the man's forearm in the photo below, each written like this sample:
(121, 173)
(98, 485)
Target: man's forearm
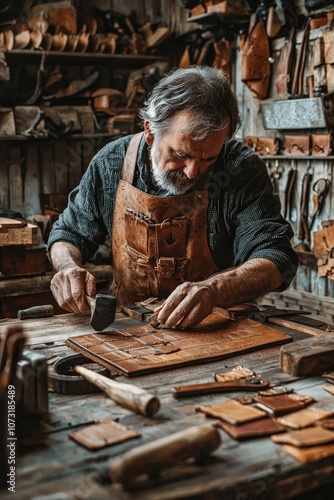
(64, 255)
(249, 281)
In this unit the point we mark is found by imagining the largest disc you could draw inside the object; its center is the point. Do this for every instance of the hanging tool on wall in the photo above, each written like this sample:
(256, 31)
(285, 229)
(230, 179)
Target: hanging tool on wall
(289, 191)
(304, 231)
(320, 190)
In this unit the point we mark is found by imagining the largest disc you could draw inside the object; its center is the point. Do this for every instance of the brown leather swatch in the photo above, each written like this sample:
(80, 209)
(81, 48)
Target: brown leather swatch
(329, 388)
(310, 454)
(257, 428)
(311, 436)
(103, 434)
(303, 418)
(281, 403)
(232, 412)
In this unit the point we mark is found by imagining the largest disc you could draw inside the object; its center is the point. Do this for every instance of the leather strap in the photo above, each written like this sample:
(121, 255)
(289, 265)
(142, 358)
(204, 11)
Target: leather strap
(297, 83)
(130, 159)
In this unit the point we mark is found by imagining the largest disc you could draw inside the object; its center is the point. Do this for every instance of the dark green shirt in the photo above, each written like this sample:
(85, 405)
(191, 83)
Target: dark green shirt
(244, 217)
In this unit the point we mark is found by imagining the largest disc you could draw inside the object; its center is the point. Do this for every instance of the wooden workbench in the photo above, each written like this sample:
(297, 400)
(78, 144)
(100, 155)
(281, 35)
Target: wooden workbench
(50, 465)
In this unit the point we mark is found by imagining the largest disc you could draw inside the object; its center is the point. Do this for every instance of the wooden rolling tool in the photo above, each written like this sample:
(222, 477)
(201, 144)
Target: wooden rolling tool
(196, 442)
(127, 395)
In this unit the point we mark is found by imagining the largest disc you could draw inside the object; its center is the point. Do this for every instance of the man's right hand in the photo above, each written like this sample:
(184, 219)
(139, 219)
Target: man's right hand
(69, 287)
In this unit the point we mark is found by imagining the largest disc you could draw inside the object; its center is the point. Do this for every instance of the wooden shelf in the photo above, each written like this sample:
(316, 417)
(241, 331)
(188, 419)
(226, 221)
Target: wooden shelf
(65, 137)
(54, 57)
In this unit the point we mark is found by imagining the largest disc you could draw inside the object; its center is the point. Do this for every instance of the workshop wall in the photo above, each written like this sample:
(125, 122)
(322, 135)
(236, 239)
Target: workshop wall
(150, 38)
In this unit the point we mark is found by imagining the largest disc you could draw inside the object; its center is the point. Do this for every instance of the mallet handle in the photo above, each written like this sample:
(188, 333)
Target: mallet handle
(127, 395)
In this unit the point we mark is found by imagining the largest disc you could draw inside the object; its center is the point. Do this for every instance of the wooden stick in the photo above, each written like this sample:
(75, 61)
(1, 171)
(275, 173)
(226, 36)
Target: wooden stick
(295, 326)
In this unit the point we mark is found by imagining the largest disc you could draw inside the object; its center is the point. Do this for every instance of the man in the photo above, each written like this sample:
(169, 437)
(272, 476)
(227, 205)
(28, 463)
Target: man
(190, 211)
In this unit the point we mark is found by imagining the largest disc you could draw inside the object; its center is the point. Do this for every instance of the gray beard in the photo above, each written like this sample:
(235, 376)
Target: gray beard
(168, 183)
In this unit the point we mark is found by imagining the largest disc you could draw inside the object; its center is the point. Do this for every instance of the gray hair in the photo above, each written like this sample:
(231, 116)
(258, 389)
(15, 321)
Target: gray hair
(203, 91)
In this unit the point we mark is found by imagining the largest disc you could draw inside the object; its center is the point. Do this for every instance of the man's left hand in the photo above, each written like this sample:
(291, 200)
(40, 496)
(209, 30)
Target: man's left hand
(187, 306)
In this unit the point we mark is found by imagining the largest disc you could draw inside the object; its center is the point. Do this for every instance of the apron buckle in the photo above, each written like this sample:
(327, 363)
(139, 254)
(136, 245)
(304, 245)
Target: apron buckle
(165, 267)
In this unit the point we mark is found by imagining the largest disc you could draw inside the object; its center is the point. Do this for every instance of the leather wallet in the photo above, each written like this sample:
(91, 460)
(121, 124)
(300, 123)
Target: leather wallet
(297, 145)
(311, 436)
(282, 403)
(103, 434)
(263, 427)
(233, 412)
(310, 454)
(303, 418)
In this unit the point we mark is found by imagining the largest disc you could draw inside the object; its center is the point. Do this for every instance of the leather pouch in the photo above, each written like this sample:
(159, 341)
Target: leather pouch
(284, 67)
(263, 145)
(303, 418)
(282, 403)
(312, 436)
(103, 434)
(310, 454)
(257, 428)
(297, 145)
(233, 412)
(322, 144)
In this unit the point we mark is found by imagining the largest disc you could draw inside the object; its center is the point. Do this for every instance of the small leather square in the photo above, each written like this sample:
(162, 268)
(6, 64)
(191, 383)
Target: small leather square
(232, 412)
(329, 388)
(311, 436)
(281, 403)
(103, 434)
(262, 427)
(303, 418)
(310, 454)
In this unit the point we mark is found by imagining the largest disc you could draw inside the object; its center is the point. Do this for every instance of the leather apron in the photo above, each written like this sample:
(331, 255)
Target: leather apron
(157, 242)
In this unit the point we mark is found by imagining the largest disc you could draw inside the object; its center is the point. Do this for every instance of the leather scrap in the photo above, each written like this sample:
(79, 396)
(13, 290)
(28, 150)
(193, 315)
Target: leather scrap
(257, 428)
(282, 403)
(311, 436)
(232, 412)
(310, 454)
(103, 434)
(303, 418)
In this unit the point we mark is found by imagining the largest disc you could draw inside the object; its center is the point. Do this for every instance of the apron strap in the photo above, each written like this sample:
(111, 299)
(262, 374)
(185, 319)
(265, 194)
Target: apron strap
(130, 160)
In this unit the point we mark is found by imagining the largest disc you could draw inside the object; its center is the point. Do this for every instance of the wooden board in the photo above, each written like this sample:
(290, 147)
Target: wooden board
(139, 350)
(17, 232)
(308, 357)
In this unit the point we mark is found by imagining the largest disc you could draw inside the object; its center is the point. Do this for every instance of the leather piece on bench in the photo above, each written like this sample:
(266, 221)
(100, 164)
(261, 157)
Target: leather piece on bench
(232, 412)
(103, 434)
(310, 454)
(311, 436)
(144, 349)
(257, 428)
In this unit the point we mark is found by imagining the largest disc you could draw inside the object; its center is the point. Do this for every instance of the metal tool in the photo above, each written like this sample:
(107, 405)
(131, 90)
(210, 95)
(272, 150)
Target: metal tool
(320, 190)
(127, 395)
(103, 310)
(11, 347)
(253, 383)
(65, 381)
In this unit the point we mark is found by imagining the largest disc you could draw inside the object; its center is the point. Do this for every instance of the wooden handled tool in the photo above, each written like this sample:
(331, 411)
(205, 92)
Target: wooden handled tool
(127, 395)
(195, 442)
(42, 311)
